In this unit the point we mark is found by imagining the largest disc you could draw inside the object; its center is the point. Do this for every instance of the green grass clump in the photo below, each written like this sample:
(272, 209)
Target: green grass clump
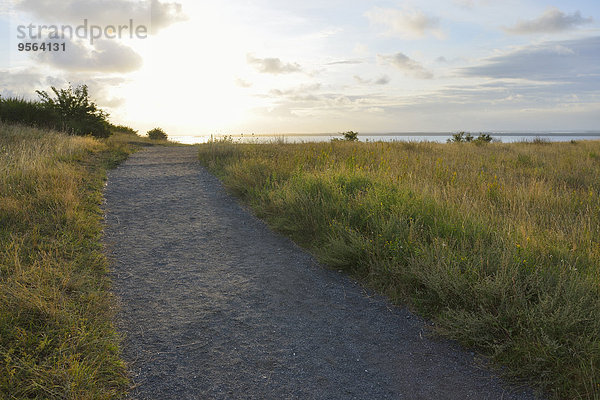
(57, 340)
(499, 244)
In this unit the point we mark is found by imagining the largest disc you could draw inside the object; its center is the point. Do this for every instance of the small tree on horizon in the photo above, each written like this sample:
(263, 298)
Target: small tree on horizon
(157, 134)
(350, 136)
(466, 137)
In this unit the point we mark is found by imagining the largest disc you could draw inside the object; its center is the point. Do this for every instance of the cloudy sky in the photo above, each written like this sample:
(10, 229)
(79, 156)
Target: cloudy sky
(277, 66)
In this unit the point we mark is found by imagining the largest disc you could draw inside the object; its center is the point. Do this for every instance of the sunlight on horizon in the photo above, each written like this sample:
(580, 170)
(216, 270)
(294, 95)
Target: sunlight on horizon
(370, 66)
(194, 87)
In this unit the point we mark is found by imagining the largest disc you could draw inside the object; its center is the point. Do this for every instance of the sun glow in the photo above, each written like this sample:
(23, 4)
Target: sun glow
(232, 67)
(190, 76)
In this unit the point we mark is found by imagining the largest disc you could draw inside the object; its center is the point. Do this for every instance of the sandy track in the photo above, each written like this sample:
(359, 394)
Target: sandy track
(215, 305)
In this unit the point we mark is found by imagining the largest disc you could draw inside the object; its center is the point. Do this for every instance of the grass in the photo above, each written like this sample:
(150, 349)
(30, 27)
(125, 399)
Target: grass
(498, 243)
(57, 340)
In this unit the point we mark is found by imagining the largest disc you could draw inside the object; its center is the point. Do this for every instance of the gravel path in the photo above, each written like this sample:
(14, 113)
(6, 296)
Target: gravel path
(214, 305)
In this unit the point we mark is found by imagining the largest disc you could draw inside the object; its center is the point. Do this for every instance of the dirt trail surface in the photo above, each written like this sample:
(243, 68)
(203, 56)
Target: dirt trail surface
(217, 306)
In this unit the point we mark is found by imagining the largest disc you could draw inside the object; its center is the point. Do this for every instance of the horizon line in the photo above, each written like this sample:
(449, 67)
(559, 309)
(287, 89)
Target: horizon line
(412, 133)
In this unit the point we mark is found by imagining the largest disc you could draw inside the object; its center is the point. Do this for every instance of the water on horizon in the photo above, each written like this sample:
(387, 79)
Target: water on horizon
(390, 137)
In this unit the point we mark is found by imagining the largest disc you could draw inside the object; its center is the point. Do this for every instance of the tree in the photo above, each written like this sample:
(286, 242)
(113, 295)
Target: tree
(157, 134)
(77, 113)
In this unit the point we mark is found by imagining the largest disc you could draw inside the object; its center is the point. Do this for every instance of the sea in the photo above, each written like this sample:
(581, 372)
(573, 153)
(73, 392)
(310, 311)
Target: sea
(439, 137)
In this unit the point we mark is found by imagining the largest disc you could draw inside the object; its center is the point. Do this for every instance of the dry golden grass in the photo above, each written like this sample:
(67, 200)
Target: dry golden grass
(56, 336)
(499, 243)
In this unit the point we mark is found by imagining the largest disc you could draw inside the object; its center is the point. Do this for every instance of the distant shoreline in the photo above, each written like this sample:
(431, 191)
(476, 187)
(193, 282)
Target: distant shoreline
(555, 133)
(440, 137)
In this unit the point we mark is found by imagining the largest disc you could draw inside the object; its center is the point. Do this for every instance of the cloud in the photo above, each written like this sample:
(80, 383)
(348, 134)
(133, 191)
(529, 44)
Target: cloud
(278, 112)
(299, 93)
(308, 99)
(513, 96)
(406, 64)
(242, 83)
(406, 23)
(345, 62)
(101, 89)
(272, 65)
(302, 88)
(104, 56)
(361, 80)
(157, 14)
(551, 21)
(570, 61)
(165, 14)
(24, 83)
(384, 80)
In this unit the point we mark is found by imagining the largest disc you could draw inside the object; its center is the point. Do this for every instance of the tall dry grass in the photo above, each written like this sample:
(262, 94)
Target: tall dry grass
(498, 243)
(56, 336)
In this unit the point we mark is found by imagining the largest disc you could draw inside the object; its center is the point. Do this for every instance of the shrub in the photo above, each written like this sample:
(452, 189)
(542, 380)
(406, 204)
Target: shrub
(77, 113)
(461, 137)
(157, 134)
(70, 110)
(26, 112)
(350, 136)
(123, 129)
(466, 137)
(483, 138)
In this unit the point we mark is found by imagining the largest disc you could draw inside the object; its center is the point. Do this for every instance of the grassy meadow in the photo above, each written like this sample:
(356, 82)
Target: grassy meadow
(57, 340)
(498, 243)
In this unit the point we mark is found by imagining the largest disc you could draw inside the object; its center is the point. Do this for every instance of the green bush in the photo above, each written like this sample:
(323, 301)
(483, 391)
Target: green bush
(350, 136)
(157, 134)
(27, 112)
(460, 137)
(71, 111)
(466, 137)
(484, 138)
(78, 114)
(123, 129)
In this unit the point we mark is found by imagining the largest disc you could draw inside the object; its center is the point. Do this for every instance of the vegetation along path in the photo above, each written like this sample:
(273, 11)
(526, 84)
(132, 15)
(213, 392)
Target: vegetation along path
(216, 305)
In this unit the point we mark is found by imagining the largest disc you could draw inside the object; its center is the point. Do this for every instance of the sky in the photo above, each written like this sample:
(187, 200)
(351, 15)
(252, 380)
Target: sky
(258, 66)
